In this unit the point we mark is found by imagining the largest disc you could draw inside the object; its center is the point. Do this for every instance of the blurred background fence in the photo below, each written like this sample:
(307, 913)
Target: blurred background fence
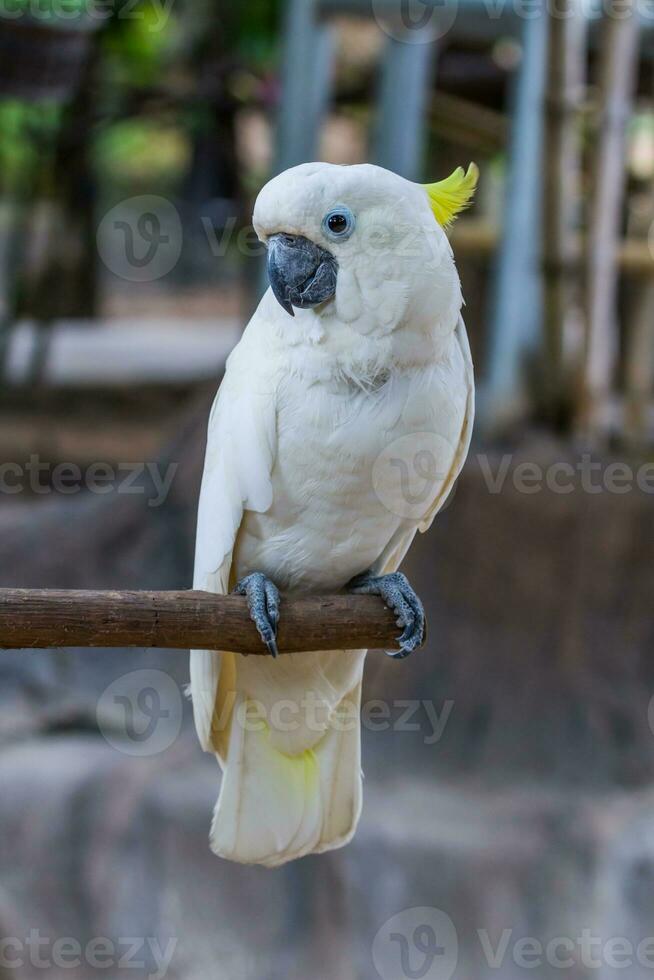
(134, 137)
(100, 106)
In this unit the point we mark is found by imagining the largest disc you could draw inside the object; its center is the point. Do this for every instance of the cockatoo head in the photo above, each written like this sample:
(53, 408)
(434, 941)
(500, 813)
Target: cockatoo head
(362, 244)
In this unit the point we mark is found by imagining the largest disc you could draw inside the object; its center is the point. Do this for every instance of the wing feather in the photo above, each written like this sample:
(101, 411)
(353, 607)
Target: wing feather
(466, 430)
(395, 552)
(241, 445)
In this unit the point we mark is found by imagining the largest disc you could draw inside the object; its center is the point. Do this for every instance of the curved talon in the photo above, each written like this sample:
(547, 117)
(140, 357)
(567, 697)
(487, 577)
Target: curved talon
(398, 595)
(272, 647)
(398, 654)
(263, 603)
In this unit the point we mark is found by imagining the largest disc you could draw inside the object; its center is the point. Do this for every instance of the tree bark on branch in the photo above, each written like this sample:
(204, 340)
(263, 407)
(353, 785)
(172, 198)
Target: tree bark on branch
(44, 618)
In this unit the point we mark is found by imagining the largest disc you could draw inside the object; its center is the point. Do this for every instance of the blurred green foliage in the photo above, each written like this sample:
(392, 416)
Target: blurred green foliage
(141, 155)
(134, 48)
(26, 130)
(257, 30)
(152, 52)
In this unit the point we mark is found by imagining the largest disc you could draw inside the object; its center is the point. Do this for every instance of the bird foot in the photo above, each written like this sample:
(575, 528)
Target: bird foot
(263, 602)
(398, 595)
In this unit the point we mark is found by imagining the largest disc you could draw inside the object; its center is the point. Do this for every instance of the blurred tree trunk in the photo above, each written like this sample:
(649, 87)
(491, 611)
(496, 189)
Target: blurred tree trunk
(617, 70)
(67, 285)
(639, 353)
(566, 71)
(639, 362)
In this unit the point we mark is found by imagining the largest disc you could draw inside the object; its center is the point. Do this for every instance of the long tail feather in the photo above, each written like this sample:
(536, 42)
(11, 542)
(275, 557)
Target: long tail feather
(292, 775)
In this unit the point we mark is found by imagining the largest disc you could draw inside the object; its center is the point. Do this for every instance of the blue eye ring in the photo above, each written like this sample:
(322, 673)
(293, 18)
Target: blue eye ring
(339, 223)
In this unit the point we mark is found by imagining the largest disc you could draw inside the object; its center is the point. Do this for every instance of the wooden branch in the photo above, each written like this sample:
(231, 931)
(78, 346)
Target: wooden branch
(44, 618)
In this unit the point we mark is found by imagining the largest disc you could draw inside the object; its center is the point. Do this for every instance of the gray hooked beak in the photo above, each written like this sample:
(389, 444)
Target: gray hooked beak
(301, 273)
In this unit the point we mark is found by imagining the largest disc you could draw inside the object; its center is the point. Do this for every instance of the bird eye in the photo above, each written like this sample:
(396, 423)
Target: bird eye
(339, 223)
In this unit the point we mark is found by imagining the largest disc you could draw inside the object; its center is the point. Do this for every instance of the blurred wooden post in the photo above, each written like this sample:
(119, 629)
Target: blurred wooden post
(562, 172)
(617, 70)
(308, 53)
(639, 353)
(19, 199)
(639, 368)
(307, 61)
(405, 86)
(516, 316)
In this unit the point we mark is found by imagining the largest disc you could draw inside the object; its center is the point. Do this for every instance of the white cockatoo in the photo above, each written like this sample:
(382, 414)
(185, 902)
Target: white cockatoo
(342, 422)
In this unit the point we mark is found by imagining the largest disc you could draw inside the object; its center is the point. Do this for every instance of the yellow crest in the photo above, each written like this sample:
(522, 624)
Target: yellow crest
(450, 196)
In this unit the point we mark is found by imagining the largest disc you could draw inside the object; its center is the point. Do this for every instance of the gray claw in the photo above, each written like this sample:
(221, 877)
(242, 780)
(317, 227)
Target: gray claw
(398, 595)
(263, 602)
(272, 647)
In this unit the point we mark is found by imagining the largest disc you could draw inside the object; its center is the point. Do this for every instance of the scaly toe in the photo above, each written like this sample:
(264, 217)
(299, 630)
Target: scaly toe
(398, 595)
(263, 603)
